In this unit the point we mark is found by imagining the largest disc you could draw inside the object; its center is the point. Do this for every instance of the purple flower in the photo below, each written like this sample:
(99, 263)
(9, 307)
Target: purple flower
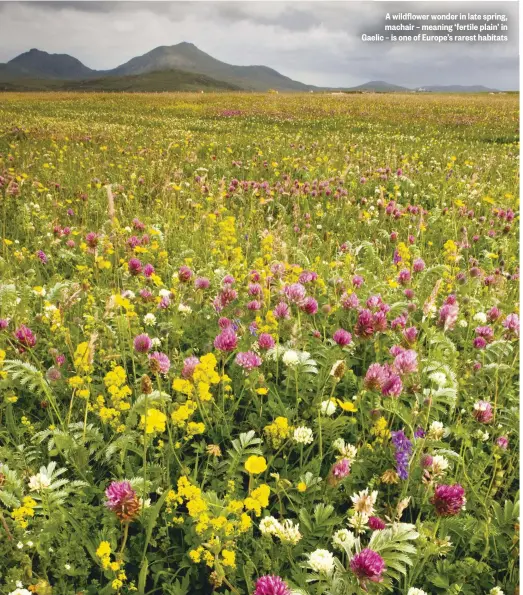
(410, 334)
(142, 343)
(42, 256)
(281, 311)
(479, 343)
(357, 281)
(418, 265)
(25, 336)
(368, 565)
(266, 341)
(502, 442)
(202, 283)
(184, 274)
(254, 305)
(164, 303)
(376, 376)
(392, 387)
(342, 337)
(448, 499)
(134, 266)
(226, 340)
(248, 360)
(403, 448)
(309, 305)
(406, 362)
(189, 365)
(122, 500)
(4, 323)
(376, 524)
(486, 332)
(364, 326)
(493, 314)
(92, 239)
(349, 302)
(159, 362)
(254, 289)
(271, 585)
(483, 412)
(404, 277)
(148, 270)
(295, 292)
(448, 316)
(419, 433)
(341, 469)
(511, 323)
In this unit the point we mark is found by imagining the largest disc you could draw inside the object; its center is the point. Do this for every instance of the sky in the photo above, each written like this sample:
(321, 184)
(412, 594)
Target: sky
(317, 43)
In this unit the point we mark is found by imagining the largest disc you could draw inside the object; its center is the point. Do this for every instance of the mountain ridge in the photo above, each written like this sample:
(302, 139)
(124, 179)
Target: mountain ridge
(38, 65)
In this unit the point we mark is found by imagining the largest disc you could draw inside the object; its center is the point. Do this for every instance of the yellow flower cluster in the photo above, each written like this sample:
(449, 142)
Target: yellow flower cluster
(450, 250)
(22, 513)
(153, 422)
(380, 429)
(404, 252)
(83, 358)
(258, 499)
(278, 431)
(3, 374)
(119, 393)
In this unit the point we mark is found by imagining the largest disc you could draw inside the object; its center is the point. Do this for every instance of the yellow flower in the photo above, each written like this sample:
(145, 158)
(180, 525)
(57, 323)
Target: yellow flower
(255, 465)
(347, 406)
(104, 549)
(302, 486)
(155, 421)
(229, 558)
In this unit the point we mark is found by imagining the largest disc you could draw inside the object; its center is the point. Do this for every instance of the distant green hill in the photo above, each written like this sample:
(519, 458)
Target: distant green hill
(165, 80)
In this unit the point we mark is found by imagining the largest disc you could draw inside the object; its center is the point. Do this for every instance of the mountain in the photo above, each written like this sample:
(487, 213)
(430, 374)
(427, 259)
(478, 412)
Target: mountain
(36, 63)
(457, 89)
(378, 86)
(171, 68)
(151, 82)
(186, 56)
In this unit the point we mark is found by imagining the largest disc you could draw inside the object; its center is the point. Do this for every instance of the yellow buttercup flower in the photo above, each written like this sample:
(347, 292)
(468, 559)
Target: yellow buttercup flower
(255, 465)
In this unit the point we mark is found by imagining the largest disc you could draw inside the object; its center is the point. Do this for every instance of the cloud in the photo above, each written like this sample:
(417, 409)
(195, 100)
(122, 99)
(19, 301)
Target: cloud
(315, 42)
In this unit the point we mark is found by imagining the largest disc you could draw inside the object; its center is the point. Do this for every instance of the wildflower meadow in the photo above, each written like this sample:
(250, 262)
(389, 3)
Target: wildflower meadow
(259, 344)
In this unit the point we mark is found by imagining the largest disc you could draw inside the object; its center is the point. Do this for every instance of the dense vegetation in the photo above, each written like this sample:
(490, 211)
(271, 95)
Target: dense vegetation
(259, 344)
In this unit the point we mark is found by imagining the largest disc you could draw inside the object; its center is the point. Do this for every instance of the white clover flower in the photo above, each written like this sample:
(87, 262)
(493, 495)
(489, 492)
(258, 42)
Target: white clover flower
(414, 591)
(291, 358)
(436, 431)
(156, 342)
(483, 436)
(496, 591)
(342, 537)
(149, 320)
(328, 407)
(67, 566)
(19, 545)
(359, 522)
(164, 293)
(480, 317)
(269, 525)
(20, 592)
(439, 464)
(463, 323)
(348, 451)
(184, 309)
(288, 532)
(321, 561)
(29, 544)
(39, 482)
(303, 435)
(364, 502)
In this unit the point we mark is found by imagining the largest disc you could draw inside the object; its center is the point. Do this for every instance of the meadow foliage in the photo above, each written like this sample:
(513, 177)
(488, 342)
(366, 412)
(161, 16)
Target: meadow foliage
(259, 344)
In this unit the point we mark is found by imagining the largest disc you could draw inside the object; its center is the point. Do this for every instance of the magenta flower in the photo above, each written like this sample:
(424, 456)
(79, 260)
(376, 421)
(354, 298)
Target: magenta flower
(309, 305)
(502, 442)
(511, 323)
(254, 289)
(376, 376)
(159, 362)
(448, 316)
(483, 412)
(418, 265)
(42, 256)
(357, 281)
(404, 276)
(281, 311)
(184, 274)
(122, 500)
(406, 362)
(392, 387)
(364, 326)
(202, 283)
(25, 336)
(148, 270)
(341, 469)
(376, 524)
(493, 314)
(266, 341)
(368, 565)
(295, 292)
(254, 305)
(92, 239)
(410, 334)
(349, 302)
(448, 499)
(142, 343)
(4, 323)
(248, 360)
(226, 340)
(486, 332)
(189, 365)
(342, 337)
(479, 343)
(271, 585)
(134, 266)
